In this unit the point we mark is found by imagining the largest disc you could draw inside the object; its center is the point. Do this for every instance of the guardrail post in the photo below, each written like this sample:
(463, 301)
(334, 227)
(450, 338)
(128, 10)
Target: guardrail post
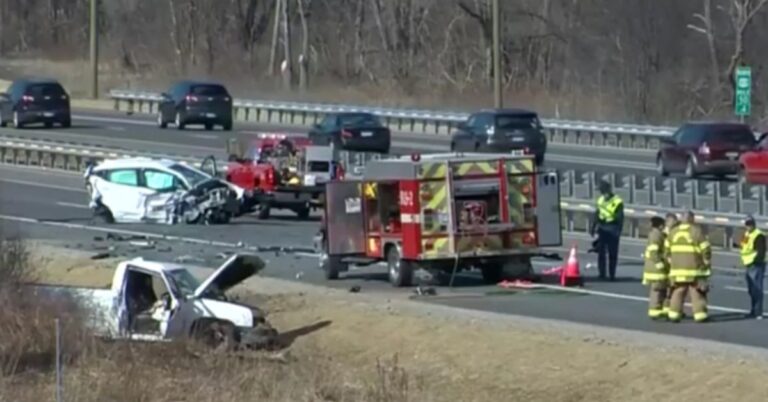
(693, 187)
(590, 176)
(570, 177)
(761, 200)
(739, 197)
(716, 196)
(651, 185)
(569, 221)
(632, 181)
(672, 192)
(117, 104)
(728, 238)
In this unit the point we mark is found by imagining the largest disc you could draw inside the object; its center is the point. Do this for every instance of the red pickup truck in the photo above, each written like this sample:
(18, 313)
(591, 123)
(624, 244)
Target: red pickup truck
(283, 173)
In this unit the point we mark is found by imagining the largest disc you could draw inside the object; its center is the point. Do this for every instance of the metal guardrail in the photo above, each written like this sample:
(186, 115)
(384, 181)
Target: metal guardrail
(576, 212)
(720, 197)
(412, 120)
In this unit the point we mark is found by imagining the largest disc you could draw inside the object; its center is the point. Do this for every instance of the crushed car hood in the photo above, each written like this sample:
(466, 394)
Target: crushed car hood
(236, 269)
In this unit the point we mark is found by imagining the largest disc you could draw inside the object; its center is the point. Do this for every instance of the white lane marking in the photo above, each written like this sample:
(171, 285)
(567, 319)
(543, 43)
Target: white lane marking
(151, 235)
(623, 296)
(41, 185)
(71, 205)
(206, 136)
(115, 128)
(115, 120)
(741, 289)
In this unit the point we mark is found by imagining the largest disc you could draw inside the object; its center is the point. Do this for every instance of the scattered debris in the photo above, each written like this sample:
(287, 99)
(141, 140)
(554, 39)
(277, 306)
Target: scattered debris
(223, 255)
(100, 256)
(143, 244)
(240, 244)
(300, 275)
(422, 291)
(355, 289)
(185, 259)
(114, 237)
(98, 238)
(164, 249)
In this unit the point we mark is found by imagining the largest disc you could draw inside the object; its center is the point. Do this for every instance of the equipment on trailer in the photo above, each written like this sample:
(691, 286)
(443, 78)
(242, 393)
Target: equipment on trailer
(443, 213)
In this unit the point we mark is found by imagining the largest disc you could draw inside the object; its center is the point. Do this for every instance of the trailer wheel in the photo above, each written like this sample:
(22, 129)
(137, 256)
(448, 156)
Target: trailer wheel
(263, 211)
(303, 213)
(400, 271)
(492, 274)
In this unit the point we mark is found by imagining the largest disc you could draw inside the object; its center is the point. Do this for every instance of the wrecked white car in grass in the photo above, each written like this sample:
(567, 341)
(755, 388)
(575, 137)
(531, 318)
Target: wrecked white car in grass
(154, 301)
(143, 190)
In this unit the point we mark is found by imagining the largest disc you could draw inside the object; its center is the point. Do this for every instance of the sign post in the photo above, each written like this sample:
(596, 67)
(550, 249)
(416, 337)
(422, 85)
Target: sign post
(743, 92)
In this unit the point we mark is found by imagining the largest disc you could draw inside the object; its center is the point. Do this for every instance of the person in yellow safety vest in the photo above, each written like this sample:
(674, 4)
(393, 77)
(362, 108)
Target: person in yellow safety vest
(690, 256)
(753, 258)
(608, 224)
(671, 222)
(656, 269)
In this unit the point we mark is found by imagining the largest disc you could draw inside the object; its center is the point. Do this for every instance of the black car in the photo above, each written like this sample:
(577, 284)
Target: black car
(192, 102)
(30, 101)
(705, 148)
(352, 131)
(501, 130)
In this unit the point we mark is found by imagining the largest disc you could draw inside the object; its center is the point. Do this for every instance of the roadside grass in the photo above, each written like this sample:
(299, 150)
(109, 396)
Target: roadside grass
(98, 370)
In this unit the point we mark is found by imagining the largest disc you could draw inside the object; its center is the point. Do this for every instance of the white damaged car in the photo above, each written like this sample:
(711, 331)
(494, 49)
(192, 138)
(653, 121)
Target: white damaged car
(144, 190)
(156, 301)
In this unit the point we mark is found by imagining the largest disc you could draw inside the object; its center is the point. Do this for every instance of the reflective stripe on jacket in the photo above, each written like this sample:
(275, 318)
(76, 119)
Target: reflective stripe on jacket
(690, 253)
(748, 250)
(607, 208)
(656, 268)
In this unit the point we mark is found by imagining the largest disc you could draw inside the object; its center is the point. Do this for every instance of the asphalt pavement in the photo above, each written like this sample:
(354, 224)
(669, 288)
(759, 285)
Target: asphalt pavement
(52, 206)
(140, 133)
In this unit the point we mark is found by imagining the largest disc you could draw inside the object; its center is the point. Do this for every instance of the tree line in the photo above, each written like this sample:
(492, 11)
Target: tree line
(631, 60)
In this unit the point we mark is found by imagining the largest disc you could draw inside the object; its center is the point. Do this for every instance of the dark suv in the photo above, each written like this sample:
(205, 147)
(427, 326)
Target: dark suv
(30, 101)
(501, 130)
(192, 102)
(705, 148)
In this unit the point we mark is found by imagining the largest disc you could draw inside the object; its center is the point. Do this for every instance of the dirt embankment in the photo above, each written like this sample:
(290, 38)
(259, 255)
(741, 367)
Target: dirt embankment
(361, 347)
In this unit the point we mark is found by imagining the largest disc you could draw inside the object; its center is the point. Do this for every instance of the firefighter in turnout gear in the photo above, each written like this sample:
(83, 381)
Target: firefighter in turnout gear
(656, 269)
(608, 224)
(671, 223)
(690, 256)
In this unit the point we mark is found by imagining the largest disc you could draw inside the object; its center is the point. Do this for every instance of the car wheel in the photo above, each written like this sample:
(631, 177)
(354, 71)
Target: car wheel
(660, 168)
(179, 122)
(303, 213)
(690, 168)
(539, 160)
(16, 121)
(160, 121)
(208, 126)
(453, 147)
(66, 123)
(227, 126)
(3, 123)
(264, 210)
(400, 272)
(332, 266)
(48, 124)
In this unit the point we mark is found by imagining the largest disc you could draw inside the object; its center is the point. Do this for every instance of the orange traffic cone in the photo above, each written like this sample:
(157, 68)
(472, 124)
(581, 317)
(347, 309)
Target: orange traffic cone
(570, 275)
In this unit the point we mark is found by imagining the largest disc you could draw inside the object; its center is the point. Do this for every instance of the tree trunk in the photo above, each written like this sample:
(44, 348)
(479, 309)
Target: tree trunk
(304, 56)
(287, 69)
(275, 37)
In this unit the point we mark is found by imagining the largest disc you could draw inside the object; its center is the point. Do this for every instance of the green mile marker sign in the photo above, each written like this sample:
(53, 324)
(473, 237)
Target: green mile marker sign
(743, 105)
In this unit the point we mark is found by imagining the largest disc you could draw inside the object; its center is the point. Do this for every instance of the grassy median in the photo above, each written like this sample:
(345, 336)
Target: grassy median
(350, 347)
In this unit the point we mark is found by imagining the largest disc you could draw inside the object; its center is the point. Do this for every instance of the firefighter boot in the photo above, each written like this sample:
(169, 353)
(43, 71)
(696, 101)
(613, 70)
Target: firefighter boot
(656, 301)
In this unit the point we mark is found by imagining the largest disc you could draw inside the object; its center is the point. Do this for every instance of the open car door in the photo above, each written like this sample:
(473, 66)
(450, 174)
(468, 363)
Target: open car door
(344, 220)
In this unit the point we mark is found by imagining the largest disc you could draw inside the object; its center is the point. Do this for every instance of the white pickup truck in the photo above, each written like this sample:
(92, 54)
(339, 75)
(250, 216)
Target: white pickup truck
(154, 301)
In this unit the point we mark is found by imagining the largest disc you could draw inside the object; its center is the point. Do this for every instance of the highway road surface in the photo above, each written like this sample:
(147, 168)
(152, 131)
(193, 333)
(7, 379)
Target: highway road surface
(52, 205)
(139, 132)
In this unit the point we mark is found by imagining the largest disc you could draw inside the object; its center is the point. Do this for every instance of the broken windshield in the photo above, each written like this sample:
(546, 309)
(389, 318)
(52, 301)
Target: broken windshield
(184, 281)
(193, 177)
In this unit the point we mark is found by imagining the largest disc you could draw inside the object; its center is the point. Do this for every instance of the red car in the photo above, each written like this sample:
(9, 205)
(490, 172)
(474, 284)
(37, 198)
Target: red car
(754, 164)
(705, 149)
(278, 170)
